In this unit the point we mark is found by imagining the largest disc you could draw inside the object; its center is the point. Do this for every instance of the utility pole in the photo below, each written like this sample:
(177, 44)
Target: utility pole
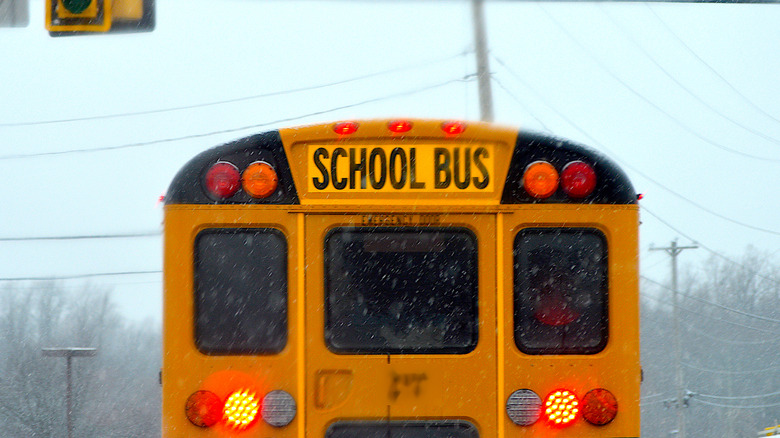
(69, 353)
(674, 250)
(483, 69)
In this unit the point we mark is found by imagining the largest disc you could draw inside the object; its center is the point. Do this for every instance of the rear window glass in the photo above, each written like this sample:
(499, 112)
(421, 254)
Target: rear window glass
(240, 291)
(401, 290)
(402, 429)
(560, 290)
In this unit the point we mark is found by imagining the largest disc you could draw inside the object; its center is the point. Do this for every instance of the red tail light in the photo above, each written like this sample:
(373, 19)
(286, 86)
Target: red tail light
(561, 407)
(203, 408)
(599, 407)
(222, 180)
(578, 179)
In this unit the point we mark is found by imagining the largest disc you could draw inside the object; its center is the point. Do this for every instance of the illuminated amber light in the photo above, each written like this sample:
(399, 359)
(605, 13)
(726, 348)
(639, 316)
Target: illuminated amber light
(540, 179)
(259, 180)
(561, 407)
(241, 409)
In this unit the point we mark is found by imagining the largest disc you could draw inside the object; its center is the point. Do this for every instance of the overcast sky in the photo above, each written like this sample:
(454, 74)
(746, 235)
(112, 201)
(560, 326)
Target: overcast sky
(684, 96)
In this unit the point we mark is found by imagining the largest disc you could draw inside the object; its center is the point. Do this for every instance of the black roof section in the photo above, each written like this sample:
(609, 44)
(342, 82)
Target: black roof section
(612, 184)
(187, 187)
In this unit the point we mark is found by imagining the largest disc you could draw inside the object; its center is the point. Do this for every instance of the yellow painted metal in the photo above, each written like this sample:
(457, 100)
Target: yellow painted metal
(616, 368)
(498, 143)
(329, 387)
(127, 9)
(403, 386)
(186, 370)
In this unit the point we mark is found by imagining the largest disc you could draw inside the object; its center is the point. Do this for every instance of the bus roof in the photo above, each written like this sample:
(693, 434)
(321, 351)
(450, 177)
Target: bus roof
(427, 162)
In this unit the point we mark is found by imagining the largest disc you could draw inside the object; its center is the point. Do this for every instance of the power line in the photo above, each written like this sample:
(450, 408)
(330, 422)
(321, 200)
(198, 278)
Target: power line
(702, 333)
(519, 102)
(77, 276)
(739, 407)
(232, 130)
(238, 99)
(736, 324)
(710, 250)
(677, 121)
(710, 370)
(706, 64)
(627, 165)
(702, 300)
(82, 237)
(744, 397)
(681, 85)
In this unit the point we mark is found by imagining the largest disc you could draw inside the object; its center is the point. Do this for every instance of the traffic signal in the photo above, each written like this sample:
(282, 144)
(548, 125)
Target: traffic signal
(80, 17)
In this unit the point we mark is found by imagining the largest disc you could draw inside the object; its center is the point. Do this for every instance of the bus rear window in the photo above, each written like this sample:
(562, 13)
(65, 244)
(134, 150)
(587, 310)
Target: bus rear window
(401, 290)
(560, 290)
(402, 429)
(240, 291)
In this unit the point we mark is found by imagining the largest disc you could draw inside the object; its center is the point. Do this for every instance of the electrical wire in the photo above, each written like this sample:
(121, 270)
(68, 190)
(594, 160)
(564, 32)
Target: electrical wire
(627, 165)
(702, 300)
(77, 276)
(239, 99)
(710, 250)
(710, 370)
(519, 102)
(706, 64)
(683, 86)
(743, 397)
(677, 121)
(729, 341)
(736, 324)
(82, 237)
(233, 130)
(739, 407)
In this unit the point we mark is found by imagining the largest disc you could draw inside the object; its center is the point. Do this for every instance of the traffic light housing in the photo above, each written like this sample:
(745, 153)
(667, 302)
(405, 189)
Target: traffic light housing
(82, 17)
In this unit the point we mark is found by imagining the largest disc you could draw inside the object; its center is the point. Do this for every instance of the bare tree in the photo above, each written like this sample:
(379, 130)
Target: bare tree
(116, 394)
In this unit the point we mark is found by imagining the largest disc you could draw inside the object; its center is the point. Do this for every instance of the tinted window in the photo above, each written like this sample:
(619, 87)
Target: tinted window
(402, 429)
(401, 290)
(240, 291)
(560, 291)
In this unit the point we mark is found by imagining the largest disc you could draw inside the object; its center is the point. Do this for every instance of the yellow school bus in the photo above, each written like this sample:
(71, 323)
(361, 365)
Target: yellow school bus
(401, 278)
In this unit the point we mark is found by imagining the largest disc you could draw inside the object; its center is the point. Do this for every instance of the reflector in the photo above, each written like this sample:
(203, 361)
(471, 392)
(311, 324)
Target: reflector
(240, 409)
(278, 408)
(524, 407)
(599, 407)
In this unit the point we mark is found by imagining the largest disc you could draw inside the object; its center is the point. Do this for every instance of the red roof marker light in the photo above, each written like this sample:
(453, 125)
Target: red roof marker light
(345, 128)
(453, 128)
